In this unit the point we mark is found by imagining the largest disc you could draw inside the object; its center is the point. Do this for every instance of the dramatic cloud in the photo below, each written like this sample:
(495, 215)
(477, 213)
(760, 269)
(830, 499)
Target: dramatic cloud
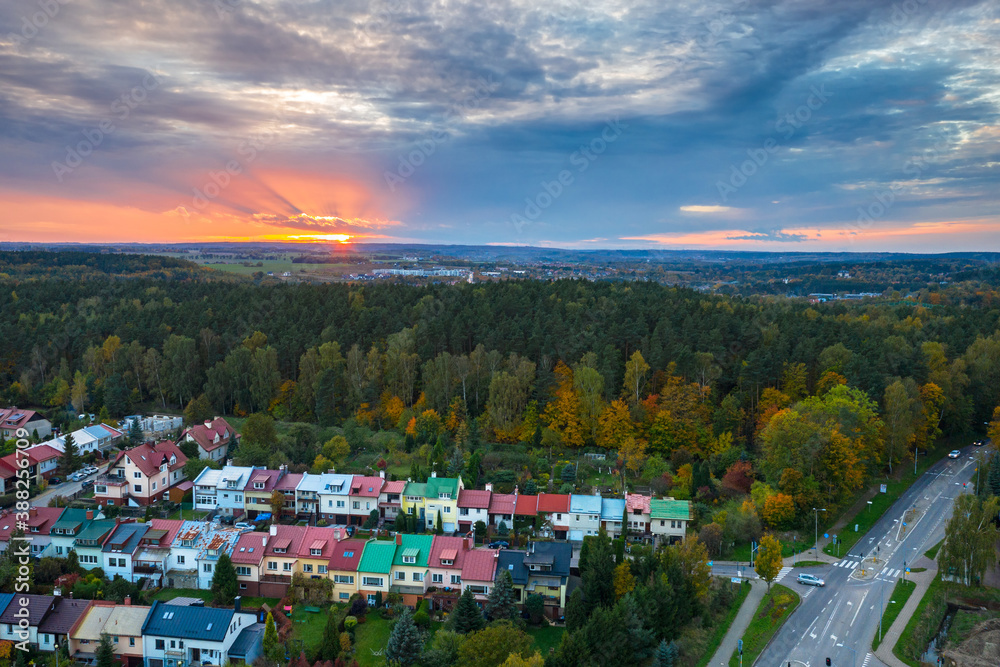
(727, 123)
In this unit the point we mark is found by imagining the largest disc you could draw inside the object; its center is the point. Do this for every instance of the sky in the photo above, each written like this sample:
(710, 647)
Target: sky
(732, 124)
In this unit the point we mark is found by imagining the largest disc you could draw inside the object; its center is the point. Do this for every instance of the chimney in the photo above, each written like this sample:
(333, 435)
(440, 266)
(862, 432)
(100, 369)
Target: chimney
(399, 539)
(264, 541)
(128, 601)
(33, 511)
(208, 423)
(274, 530)
(434, 473)
(465, 544)
(90, 514)
(489, 486)
(381, 473)
(236, 604)
(229, 462)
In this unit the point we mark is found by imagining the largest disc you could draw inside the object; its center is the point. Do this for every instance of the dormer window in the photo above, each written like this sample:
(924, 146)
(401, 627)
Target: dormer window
(409, 560)
(447, 562)
(444, 496)
(315, 552)
(258, 485)
(278, 550)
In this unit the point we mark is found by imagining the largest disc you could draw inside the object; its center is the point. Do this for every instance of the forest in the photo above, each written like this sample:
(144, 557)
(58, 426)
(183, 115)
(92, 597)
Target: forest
(773, 401)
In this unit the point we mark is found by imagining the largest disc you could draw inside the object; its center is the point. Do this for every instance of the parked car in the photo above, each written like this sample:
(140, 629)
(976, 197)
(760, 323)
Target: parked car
(810, 580)
(87, 485)
(498, 544)
(90, 470)
(243, 525)
(75, 477)
(954, 454)
(54, 480)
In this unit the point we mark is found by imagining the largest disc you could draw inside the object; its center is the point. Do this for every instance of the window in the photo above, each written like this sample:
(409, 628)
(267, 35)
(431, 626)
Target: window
(180, 560)
(100, 489)
(410, 559)
(114, 638)
(340, 503)
(478, 590)
(160, 645)
(371, 600)
(322, 569)
(238, 498)
(287, 567)
(315, 552)
(59, 551)
(372, 581)
(357, 505)
(662, 523)
(206, 567)
(46, 639)
(343, 579)
(137, 475)
(243, 587)
(456, 579)
(307, 567)
(447, 510)
(271, 565)
(418, 576)
(131, 641)
(258, 485)
(447, 561)
(154, 486)
(437, 578)
(242, 571)
(137, 487)
(400, 576)
(463, 511)
(347, 596)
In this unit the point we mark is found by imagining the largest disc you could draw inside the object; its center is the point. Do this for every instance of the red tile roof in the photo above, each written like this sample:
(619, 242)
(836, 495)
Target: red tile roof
(270, 478)
(22, 421)
(443, 544)
(292, 535)
(526, 506)
(148, 458)
(474, 498)
(41, 518)
(635, 501)
(288, 482)
(317, 537)
(249, 549)
(480, 565)
(367, 487)
(553, 502)
(394, 487)
(341, 561)
(204, 434)
(172, 526)
(43, 453)
(502, 503)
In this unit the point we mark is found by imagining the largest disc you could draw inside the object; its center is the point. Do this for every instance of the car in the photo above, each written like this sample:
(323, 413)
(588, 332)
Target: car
(54, 480)
(499, 544)
(75, 477)
(979, 443)
(87, 485)
(810, 580)
(243, 525)
(954, 454)
(90, 470)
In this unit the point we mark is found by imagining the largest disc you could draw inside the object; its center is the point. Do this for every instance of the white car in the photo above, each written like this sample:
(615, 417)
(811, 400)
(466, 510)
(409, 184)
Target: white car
(954, 454)
(90, 470)
(810, 580)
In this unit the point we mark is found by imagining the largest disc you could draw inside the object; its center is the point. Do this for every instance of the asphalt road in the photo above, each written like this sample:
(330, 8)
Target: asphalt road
(843, 616)
(67, 488)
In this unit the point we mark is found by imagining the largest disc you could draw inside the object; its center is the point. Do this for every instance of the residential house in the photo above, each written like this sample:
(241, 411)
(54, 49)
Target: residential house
(375, 568)
(141, 475)
(554, 508)
(230, 489)
(257, 493)
(315, 551)
(669, 519)
(543, 569)
(473, 506)
(441, 498)
(206, 484)
(43, 461)
(612, 511)
(333, 497)
(525, 510)
(307, 497)
(153, 557)
(121, 622)
(182, 564)
(363, 498)
(48, 618)
(38, 528)
(343, 568)
(445, 566)
(501, 509)
(390, 499)
(89, 542)
(410, 574)
(155, 427)
(8, 476)
(249, 645)
(215, 438)
(177, 636)
(512, 562)
(214, 542)
(54, 630)
(286, 486)
(638, 513)
(119, 549)
(248, 553)
(584, 516)
(91, 439)
(478, 573)
(64, 531)
(35, 426)
(280, 556)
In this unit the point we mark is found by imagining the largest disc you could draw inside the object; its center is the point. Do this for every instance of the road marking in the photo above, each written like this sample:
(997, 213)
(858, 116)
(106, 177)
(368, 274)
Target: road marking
(854, 564)
(834, 638)
(810, 628)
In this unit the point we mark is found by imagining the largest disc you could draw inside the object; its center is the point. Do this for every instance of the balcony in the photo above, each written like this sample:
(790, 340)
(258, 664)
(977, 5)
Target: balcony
(147, 568)
(276, 578)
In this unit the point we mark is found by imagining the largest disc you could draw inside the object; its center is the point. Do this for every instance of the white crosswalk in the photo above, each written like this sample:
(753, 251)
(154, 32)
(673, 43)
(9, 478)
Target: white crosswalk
(849, 564)
(782, 573)
(868, 658)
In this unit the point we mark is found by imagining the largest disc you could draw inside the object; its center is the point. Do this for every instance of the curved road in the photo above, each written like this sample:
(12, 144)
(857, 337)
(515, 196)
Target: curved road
(840, 620)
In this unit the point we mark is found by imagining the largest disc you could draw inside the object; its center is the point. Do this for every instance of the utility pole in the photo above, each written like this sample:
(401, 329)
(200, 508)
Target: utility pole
(816, 512)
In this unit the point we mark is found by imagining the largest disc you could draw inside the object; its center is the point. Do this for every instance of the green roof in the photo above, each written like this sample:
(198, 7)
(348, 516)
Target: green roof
(70, 519)
(377, 557)
(415, 489)
(670, 509)
(438, 485)
(96, 529)
(418, 545)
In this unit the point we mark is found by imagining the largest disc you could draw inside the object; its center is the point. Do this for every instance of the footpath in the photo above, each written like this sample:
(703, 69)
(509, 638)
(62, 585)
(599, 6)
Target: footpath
(740, 624)
(923, 581)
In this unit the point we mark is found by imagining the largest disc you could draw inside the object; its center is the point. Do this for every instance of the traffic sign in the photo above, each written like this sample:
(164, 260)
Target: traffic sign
(826, 536)
(741, 647)
(883, 488)
(737, 580)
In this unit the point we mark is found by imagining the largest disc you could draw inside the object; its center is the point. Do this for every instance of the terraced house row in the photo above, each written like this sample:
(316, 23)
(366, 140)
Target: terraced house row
(172, 634)
(335, 498)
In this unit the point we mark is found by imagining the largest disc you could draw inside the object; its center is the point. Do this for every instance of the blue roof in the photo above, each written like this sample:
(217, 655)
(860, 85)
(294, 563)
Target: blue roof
(612, 509)
(129, 533)
(245, 642)
(584, 504)
(171, 620)
(5, 599)
(96, 431)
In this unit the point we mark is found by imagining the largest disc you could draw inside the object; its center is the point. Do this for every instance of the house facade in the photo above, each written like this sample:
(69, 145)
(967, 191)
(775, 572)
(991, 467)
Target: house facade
(178, 636)
(141, 475)
(34, 424)
(669, 519)
(215, 437)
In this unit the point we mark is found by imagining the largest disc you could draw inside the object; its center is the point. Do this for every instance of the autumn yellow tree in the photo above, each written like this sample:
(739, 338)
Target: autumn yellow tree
(779, 510)
(624, 580)
(636, 370)
(563, 413)
(769, 561)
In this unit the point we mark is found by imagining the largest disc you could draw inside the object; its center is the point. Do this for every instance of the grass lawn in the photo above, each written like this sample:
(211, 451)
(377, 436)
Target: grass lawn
(900, 594)
(546, 638)
(867, 517)
(808, 563)
(788, 548)
(373, 635)
(918, 569)
(773, 611)
(723, 625)
(308, 627)
(932, 552)
(189, 515)
(165, 594)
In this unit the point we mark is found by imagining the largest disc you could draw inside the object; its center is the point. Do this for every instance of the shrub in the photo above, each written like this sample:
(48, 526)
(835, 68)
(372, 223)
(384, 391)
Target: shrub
(359, 607)
(422, 619)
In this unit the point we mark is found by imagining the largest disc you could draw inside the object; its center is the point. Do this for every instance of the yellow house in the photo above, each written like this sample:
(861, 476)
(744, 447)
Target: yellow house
(438, 496)
(257, 493)
(315, 551)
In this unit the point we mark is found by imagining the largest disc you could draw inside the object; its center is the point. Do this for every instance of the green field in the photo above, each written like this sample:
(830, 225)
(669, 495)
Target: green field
(900, 594)
(546, 638)
(773, 611)
(932, 552)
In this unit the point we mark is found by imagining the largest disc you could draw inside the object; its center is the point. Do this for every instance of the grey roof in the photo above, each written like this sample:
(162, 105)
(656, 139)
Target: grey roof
(245, 641)
(204, 623)
(558, 553)
(512, 562)
(128, 533)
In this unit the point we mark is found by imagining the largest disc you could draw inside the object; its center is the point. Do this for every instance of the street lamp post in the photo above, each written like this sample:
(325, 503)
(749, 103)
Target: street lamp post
(816, 511)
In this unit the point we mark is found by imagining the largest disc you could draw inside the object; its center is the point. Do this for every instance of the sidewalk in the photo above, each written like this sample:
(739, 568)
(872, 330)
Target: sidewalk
(923, 581)
(729, 643)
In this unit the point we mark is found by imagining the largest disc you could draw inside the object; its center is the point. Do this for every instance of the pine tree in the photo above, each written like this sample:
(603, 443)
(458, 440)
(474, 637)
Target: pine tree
(273, 650)
(500, 603)
(105, 653)
(224, 582)
(134, 433)
(466, 617)
(666, 654)
(576, 611)
(438, 526)
(70, 460)
(405, 643)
